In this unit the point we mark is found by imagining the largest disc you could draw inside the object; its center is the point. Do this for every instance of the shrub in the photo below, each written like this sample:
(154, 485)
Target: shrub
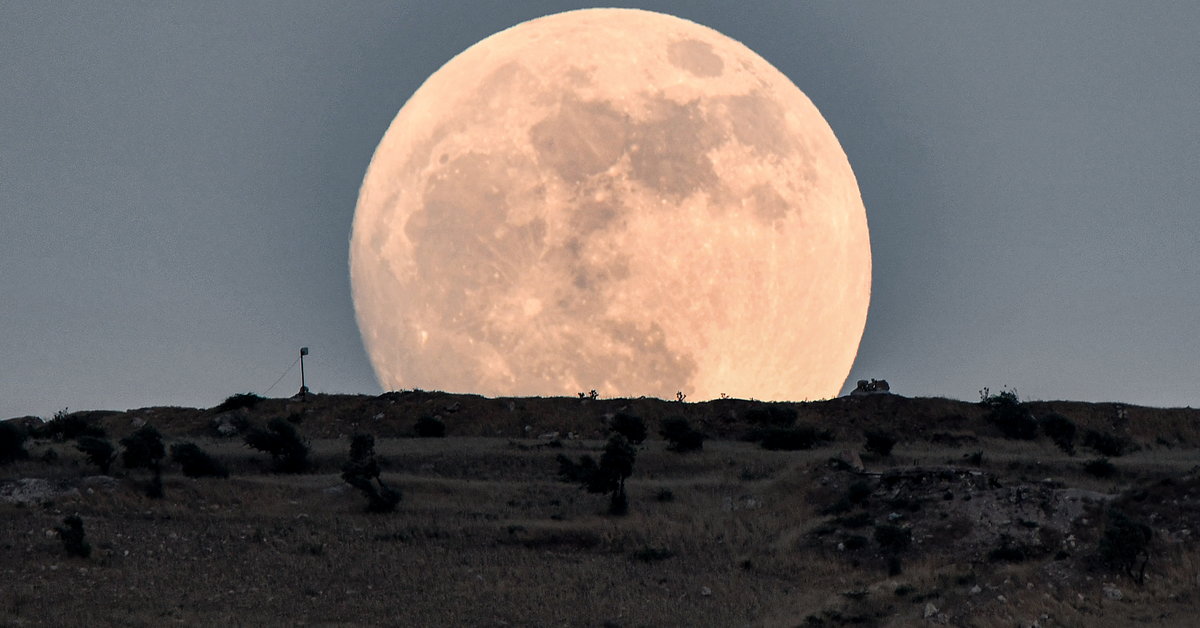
(73, 538)
(144, 449)
(65, 426)
(1060, 430)
(791, 438)
(237, 402)
(362, 468)
(12, 443)
(633, 428)
(879, 442)
(664, 495)
(1010, 415)
(196, 462)
(430, 427)
(1008, 551)
(616, 464)
(858, 492)
(1125, 540)
(280, 439)
(774, 415)
(1100, 467)
(1105, 444)
(680, 436)
(98, 451)
(892, 537)
(854, 541)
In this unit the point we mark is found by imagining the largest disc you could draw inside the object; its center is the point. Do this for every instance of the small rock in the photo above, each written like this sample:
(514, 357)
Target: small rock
(705, 591)
(1001, 598)
(976, 590)
(1113, 593)
(930, 610)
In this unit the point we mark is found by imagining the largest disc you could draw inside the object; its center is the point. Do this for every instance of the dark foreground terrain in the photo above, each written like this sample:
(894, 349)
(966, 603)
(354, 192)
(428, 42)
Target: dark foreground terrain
(983, 514)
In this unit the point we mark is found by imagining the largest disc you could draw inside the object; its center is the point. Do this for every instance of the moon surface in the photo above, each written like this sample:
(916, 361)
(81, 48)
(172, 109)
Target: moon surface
(616, 200)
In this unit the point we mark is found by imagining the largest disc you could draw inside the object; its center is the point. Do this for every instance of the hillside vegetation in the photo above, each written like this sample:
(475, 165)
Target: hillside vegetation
(877, 510)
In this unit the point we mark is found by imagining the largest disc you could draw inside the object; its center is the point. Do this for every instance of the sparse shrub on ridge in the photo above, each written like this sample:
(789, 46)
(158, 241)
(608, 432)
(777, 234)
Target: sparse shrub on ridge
(288, 451)
(98, 451)
(196, 462)
(362, 468)
(73, 538)
(12, 443)
(880, 442)
(1060, 430)
(144, 449)
(680, 436)
(430, 427)
(1010, 415)
(66, 426)
(237, 402)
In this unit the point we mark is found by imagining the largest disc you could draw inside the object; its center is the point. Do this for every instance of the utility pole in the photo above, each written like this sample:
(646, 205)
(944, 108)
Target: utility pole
(303, 387)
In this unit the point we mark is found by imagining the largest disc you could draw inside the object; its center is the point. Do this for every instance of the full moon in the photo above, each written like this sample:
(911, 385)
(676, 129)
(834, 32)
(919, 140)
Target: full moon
(612, 200)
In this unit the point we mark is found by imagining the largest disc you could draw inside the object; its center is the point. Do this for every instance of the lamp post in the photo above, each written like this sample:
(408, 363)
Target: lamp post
(303, 387)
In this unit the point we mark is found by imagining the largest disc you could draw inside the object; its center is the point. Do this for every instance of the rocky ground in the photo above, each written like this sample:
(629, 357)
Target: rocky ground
(969, 520)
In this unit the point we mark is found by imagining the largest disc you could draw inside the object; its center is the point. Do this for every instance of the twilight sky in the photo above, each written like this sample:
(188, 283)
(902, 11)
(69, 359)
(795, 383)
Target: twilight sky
(178, 180)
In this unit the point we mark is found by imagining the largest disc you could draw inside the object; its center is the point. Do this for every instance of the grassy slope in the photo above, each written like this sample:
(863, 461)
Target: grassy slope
(487, 536)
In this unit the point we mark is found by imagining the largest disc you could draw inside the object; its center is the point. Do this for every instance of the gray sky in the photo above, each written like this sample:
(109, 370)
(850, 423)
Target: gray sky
(178, 180)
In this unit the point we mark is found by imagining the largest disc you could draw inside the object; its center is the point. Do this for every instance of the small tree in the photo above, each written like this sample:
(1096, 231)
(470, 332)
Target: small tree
(1010, 415)
(633, 428)
(362, 468)
(280, 439)
(144, 449)
(680, 436)
(66, 426)
(616, 464)
(1060, 430)
(880, 443)
(1125, 541)
(12, 443)
(239, 401)
(196, 462)
(98, 451)
(73, 539)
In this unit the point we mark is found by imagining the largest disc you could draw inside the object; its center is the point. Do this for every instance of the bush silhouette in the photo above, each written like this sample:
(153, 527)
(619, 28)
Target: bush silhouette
(430, 427)
(633, 428)
(773, 415)
(1100, 467)
(680, 436)
(98, 451)
(1125, 541)
(12, 443)
(144, 449)
(1105, 444)
(1011, 416)
(616, 464)
(289, 453)
(879, 442)
(73, 539)
(196, 462)
(1060, 430)
(237, 402)
(362, 468)
(65, 426)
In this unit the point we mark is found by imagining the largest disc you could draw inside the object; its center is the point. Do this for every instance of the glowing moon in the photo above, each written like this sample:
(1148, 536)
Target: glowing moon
(615, 200)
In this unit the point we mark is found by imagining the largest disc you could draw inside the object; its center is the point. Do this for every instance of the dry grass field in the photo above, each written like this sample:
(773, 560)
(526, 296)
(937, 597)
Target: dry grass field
(733, 535)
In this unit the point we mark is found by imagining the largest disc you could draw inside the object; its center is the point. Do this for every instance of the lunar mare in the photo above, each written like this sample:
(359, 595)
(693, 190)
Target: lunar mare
(616, 200)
